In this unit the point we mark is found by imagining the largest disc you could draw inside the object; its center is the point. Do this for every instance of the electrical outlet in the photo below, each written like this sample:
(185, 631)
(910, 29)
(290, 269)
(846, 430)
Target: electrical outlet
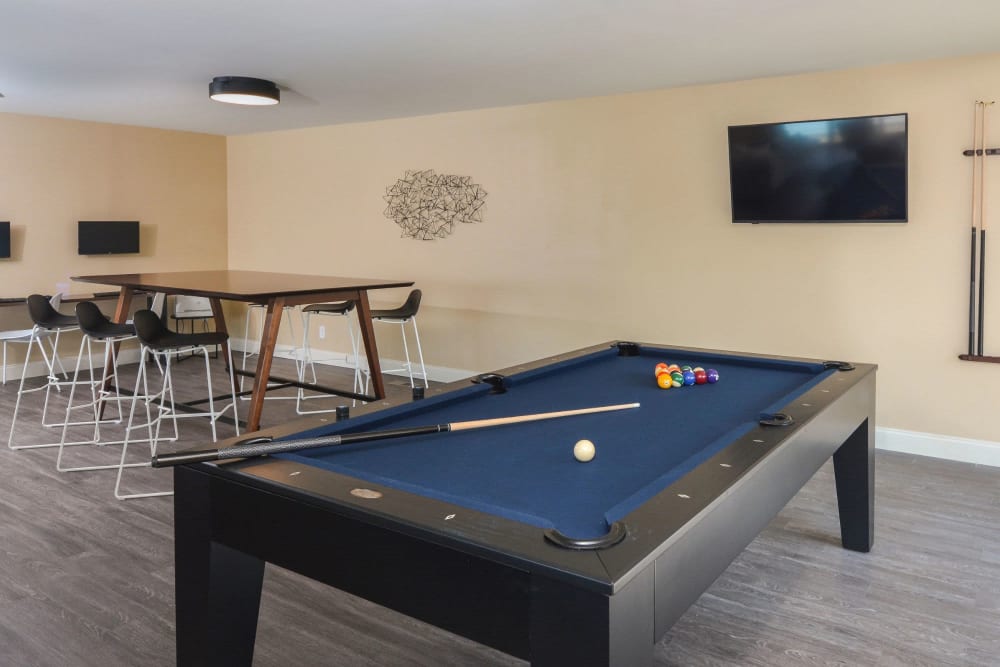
(322, 331)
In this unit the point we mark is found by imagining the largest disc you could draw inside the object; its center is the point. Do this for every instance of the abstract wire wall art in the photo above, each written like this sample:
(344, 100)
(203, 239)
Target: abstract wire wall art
(426, 205)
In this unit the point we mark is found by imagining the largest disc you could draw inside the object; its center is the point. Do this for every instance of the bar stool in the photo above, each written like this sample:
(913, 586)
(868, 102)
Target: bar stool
(159, 342)
(96, 328)
(401, 315)
(48, 324)
(336, 309)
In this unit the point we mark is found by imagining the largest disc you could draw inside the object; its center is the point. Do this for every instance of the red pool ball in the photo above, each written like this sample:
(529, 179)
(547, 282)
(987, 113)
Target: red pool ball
(700, 377)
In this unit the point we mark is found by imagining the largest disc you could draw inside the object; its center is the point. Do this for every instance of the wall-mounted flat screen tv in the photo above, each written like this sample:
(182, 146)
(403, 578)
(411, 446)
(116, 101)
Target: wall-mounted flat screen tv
(108, 237)
(4, 240)
(834, 170)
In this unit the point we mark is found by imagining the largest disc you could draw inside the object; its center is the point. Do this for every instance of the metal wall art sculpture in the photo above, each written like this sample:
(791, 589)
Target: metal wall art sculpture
(426, 205)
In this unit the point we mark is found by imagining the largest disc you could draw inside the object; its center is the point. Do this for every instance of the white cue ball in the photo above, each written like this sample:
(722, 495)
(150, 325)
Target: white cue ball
(584, 450)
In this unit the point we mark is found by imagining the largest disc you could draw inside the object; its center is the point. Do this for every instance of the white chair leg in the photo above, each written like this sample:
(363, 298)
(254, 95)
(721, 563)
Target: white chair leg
(140, 378)
(420, 353)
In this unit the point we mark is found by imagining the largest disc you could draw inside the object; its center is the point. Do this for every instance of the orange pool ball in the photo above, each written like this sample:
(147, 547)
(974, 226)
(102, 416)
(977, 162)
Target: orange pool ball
(660, 368)
(664, 381)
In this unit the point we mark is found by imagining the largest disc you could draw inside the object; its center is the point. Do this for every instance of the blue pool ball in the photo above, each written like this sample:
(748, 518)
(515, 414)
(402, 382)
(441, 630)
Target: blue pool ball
(712, 376)
(689, 378)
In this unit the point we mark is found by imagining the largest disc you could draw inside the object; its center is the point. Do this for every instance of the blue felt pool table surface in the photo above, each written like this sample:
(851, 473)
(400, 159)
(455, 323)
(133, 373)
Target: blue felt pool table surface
(527, 472)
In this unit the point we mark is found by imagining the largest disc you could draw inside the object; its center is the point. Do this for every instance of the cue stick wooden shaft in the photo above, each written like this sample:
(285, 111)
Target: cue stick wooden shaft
(265, 445)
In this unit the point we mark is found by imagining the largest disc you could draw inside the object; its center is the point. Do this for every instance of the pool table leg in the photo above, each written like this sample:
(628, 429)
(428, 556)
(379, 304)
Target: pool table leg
(854, 469)
(218, 588)
(571, 626)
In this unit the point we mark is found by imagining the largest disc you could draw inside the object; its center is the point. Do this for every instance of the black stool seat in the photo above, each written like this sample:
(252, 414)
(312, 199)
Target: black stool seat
(151, 331)
(44, 315)
(407, 310)
(96, 325)
(337, 308)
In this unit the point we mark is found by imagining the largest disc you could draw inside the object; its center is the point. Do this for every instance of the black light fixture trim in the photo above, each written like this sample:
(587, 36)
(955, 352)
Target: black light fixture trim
(244, 90)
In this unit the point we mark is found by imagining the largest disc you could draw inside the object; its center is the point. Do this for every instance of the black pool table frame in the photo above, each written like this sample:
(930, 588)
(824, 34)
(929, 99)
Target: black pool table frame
(498, 581)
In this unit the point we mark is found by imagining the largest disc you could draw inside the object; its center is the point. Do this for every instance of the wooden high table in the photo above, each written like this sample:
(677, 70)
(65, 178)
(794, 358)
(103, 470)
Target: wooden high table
(274, 291)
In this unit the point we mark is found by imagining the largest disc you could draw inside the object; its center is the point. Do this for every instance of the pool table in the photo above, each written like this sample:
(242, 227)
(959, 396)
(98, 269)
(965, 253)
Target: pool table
(500, 534)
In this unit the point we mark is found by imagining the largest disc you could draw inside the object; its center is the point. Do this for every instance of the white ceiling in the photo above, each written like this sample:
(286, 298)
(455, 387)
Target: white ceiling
(143, 62)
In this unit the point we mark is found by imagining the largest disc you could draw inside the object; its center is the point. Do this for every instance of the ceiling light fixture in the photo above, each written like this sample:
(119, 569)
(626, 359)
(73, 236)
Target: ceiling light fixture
(243, 90)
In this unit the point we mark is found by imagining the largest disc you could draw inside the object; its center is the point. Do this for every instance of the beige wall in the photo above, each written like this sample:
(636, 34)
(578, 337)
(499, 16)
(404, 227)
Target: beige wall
(54, 172)
(609, 218)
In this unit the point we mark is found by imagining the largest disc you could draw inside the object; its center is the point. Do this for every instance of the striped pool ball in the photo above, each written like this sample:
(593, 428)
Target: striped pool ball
(712, 375)
(660, 368)
(678, 378)
(688, 378)
(672, 368)
(686, 368)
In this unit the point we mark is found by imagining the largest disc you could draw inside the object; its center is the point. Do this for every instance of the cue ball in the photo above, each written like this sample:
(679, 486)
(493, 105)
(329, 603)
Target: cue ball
(584, 450)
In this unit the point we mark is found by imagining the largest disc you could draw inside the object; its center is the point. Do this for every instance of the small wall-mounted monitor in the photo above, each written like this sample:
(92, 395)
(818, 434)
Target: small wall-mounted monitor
(108, 237)
(4, 240)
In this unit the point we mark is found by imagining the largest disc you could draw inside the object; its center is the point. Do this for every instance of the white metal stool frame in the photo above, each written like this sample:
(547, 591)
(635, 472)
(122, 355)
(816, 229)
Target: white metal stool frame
(96, 327)
(339, 309)
(405, 313)
(165, 396)
(49, 324)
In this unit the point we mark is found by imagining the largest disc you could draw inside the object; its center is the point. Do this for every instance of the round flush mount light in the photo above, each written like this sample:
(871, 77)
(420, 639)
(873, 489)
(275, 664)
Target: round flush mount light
(243, 90)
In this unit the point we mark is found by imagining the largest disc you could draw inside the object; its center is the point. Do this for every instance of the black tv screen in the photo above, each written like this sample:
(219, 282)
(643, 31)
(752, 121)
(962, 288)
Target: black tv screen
(4, 240)
(108, 237)
(834, 170)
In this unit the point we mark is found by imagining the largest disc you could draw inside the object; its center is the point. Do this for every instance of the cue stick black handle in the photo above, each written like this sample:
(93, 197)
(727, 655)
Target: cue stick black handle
(266, 445)
(972, 296)
(982, 287)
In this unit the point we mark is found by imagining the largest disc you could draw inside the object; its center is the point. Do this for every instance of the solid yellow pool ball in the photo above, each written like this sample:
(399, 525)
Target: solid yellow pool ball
(584, 450)
(664, 381)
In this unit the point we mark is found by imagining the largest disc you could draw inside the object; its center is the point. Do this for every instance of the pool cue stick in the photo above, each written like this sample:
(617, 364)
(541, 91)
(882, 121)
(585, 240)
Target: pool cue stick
(975, 230)
(266, 445)
(982, 237)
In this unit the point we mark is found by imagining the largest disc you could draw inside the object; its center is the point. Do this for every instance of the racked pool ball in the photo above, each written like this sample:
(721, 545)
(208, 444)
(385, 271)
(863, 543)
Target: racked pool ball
(660, 368)
(712, 375)
(688, 378)
(664, 381)
(700, 376)
(678, 378)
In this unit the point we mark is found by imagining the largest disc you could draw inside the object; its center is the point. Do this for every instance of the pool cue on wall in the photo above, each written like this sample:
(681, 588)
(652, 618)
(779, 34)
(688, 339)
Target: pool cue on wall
(972, 242)
(977, 315)
(266, 445)
(982, 236)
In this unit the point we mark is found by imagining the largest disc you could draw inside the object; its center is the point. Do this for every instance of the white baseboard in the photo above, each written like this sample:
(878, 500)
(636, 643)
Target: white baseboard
(983, 452)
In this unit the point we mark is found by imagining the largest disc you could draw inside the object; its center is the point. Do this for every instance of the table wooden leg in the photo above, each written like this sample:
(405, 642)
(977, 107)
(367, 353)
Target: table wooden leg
(268, 340)
(371, 349)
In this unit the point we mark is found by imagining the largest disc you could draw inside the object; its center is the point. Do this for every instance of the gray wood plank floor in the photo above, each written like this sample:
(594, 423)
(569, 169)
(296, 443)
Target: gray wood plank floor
(88, 580)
